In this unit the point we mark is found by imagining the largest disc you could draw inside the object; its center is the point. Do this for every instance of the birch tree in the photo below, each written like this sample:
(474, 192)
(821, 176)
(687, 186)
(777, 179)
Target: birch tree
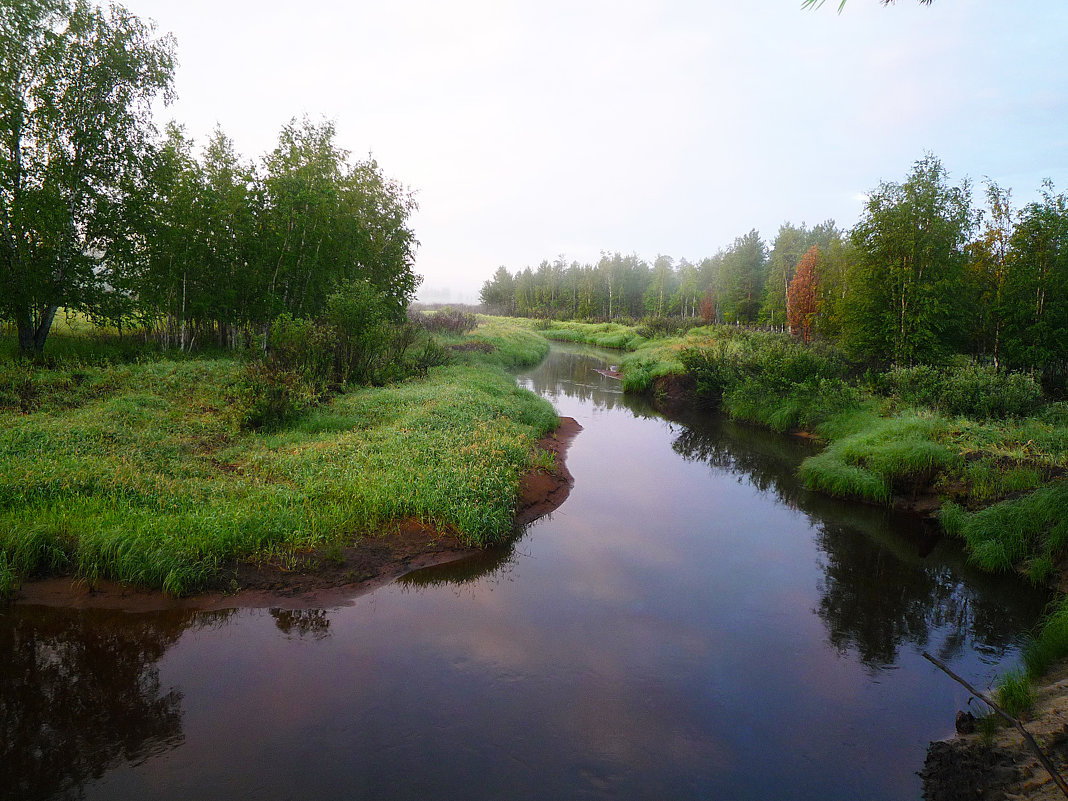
(76, 83)
(909, 276)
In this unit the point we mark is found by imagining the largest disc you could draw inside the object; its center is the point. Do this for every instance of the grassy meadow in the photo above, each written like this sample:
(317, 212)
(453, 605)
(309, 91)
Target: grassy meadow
(141, 471)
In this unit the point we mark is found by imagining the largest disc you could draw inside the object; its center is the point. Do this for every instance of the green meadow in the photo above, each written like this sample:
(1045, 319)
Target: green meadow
(142, 471)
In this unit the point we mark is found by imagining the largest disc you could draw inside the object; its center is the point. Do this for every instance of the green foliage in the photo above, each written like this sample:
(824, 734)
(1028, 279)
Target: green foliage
(1031, 530)
(736, 358)
(659, 327)
(75, 116)
(888, 456)
(348, 344)
(510, 345)
(1015, 694)
(910, 243)
(971, 391)
(1036, 289)
(1050, 645)
(153, 481)
(989, 479)
(270, 396)
(617, 336)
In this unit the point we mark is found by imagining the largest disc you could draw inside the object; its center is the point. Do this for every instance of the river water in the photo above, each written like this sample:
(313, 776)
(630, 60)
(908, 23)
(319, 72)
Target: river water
(690, 624)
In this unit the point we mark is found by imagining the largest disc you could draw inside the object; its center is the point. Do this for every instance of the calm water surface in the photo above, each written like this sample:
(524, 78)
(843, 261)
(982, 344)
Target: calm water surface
(690, 624)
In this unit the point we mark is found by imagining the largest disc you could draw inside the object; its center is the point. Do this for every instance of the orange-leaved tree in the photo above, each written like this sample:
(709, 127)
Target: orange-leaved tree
(801, 295)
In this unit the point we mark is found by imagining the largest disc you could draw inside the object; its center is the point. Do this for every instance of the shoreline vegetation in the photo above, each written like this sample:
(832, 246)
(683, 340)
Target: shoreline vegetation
(146, 472)
(982, 452)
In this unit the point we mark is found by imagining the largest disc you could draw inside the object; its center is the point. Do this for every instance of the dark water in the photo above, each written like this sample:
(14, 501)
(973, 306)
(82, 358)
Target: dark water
(691, 624)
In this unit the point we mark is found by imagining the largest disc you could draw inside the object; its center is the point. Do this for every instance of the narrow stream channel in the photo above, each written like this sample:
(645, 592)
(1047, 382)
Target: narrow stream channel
(690, 624)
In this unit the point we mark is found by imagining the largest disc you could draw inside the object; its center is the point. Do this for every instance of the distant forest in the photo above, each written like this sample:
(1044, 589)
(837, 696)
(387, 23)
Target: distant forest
(921, 277)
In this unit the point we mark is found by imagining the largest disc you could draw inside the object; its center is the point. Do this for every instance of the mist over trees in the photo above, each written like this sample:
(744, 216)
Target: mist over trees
(924, 275)
(101, 214)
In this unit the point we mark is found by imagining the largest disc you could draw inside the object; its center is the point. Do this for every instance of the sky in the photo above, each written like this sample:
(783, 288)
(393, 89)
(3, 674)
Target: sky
(546, 128)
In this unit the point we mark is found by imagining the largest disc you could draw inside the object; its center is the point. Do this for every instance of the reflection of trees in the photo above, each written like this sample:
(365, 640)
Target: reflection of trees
(878, 591)
(769, 466)
(873, 601)
(302, 622)
(879, 588)
(80, 692)
(483, 564)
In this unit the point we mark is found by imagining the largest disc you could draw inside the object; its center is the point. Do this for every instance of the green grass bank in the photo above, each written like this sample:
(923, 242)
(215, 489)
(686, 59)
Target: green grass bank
(142, 472)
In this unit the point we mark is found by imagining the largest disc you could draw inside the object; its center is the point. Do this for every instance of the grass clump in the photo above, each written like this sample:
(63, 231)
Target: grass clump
(1030, 530)
(886, 456)
(616, 336)
(1015, 694)
(1050, 644)
(507, 343)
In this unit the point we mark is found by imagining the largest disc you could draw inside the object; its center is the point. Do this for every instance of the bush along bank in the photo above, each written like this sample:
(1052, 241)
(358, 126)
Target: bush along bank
(164, 472)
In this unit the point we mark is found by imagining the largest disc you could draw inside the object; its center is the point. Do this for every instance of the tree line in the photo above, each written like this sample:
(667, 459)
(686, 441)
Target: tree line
(922, 276)
(102, 214)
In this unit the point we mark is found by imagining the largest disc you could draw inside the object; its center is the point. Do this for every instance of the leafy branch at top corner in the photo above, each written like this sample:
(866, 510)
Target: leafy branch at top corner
(805, 4)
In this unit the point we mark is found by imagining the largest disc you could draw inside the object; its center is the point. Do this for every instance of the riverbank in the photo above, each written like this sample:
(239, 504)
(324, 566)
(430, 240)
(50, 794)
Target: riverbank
(983, 452)
(1002, 766)
(142, 473)
(325, 575)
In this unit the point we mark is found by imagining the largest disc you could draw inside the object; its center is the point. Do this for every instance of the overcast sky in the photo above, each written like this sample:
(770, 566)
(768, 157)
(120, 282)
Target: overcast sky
(530, 130)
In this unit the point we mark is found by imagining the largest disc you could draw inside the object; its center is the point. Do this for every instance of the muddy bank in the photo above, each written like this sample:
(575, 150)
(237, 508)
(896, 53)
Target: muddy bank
(969, 767)
(329, 575)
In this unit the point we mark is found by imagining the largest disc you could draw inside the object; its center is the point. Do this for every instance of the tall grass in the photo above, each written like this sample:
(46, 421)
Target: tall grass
(1051, 642)
(604, 335)
(896, 455)
(144, 474)
(1031, 530)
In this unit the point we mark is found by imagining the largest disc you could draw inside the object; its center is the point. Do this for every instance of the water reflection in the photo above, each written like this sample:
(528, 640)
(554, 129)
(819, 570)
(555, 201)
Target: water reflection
(311, 623)
(491, 562)
(573, 372)
(873, 602)
(878, 590)
(80, 693)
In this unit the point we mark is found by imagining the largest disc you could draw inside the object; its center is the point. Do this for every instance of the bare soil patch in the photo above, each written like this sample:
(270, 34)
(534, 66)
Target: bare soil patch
(967, 767)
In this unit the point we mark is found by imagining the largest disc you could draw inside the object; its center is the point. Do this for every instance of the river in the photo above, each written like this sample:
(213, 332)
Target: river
(690, 624)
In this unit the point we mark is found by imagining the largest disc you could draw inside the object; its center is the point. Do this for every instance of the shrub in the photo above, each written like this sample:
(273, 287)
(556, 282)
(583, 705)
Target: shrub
(350, 343)
(1015, 694)
(968, 391)
(432, 355)
(445, 321)
(270, 396)
(655, 327)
